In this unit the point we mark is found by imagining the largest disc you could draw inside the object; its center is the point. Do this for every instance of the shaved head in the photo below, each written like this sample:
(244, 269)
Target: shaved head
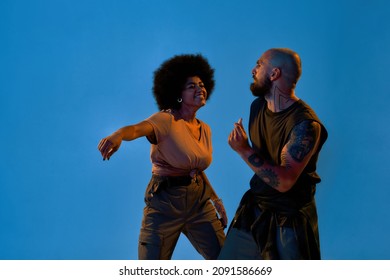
(287, 61)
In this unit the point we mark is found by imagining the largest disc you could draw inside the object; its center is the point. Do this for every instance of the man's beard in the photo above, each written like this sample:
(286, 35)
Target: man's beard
(263, 89)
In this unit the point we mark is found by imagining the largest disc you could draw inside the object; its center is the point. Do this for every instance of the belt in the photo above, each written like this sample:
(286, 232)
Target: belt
(179, 180)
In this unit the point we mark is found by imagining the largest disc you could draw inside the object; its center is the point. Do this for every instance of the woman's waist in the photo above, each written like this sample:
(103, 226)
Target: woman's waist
(171, 171)
(182, 178)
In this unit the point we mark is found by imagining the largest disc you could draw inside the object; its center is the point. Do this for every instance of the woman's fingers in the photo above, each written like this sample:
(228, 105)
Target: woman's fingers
(105, 148)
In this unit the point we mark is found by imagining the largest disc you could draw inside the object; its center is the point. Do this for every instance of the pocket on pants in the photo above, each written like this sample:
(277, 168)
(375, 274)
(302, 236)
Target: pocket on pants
(149, 245)
(152, 189)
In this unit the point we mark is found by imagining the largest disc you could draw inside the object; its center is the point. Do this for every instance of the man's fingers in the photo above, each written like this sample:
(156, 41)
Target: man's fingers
(238, 123)
(239, 131)
(235, 136)
(232, 135)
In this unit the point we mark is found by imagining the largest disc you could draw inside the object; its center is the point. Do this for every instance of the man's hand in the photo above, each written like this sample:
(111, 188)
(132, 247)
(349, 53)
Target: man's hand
(238, 139)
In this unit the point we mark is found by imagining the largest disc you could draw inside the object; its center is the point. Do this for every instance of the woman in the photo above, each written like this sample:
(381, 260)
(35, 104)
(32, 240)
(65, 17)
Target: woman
(178, 195)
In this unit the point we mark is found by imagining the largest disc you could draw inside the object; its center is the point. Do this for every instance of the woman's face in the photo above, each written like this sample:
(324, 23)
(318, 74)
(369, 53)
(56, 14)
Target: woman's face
(194, 93)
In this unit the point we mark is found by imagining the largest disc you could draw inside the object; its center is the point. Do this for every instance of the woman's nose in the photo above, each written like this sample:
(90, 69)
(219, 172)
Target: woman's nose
(198, 88)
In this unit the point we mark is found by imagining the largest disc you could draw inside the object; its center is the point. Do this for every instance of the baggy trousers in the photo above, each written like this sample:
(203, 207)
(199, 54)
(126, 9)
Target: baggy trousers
(240, 245)
(173, 209)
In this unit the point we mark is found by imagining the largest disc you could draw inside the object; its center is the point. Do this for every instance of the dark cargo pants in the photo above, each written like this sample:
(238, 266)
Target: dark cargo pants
(172, 209)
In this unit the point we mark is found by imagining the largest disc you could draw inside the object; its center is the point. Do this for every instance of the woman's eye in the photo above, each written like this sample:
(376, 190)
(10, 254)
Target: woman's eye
(193, 86)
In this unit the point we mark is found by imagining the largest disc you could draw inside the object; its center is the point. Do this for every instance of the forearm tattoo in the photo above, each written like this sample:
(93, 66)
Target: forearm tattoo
(303, 139)
(269, 177)
(255, 160)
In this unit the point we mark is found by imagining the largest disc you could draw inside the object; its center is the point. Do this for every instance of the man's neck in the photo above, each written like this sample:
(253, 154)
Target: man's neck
(278, 101)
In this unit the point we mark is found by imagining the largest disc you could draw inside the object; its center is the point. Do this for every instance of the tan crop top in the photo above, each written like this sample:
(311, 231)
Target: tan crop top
(176, 151)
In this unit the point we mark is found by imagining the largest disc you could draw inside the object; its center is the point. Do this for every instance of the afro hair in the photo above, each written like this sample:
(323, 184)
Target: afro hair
(171, 76)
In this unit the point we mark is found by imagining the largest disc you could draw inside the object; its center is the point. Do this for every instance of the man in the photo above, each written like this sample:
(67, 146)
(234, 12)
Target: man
(277, 217)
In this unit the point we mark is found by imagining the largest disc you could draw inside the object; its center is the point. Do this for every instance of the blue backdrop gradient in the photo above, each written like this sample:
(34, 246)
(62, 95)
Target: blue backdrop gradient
(72, 72)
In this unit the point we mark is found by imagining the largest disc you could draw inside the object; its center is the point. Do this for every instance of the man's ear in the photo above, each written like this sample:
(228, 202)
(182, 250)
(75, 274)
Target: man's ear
(275, 74)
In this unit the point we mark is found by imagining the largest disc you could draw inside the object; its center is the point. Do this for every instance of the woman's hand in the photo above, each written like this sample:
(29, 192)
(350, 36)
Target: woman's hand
(109, 145)
(221, 211)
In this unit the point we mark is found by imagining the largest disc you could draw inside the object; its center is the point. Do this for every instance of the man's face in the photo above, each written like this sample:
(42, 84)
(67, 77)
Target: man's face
(261, 88)
(261, 82)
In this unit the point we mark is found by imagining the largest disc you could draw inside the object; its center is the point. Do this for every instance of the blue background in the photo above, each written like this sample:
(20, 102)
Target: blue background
(72, 72)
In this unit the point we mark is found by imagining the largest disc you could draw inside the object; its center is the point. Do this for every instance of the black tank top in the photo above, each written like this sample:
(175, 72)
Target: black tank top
(269, 133)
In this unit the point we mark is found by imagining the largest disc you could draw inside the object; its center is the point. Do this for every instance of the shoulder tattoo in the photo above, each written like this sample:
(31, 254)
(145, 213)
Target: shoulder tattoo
(302, 140)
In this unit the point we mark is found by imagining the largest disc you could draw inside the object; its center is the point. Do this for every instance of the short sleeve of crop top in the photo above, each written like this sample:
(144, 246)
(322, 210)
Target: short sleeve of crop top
(175, 151)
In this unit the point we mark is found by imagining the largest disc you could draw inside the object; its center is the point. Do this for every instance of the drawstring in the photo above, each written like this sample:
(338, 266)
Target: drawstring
(194, 175)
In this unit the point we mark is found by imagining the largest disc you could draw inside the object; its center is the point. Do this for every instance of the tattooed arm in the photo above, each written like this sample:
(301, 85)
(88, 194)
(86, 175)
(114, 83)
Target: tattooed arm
(295, 155)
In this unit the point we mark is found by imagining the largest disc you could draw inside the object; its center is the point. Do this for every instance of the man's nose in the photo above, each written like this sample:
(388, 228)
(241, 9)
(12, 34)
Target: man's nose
(254, 71)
